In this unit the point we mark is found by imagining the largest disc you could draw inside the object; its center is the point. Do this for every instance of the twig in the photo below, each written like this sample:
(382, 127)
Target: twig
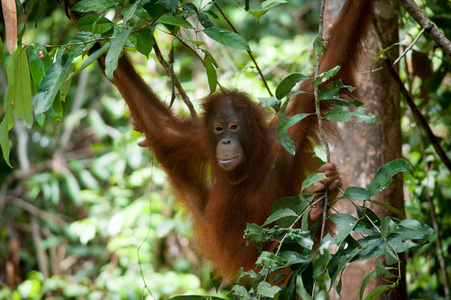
(249, 52)
(320, 123)
(419, 16)
(410, 47)
(176, 82)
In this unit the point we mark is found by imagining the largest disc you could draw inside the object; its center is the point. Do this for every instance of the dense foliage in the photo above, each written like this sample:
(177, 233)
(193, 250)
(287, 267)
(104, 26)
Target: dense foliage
(87, 213)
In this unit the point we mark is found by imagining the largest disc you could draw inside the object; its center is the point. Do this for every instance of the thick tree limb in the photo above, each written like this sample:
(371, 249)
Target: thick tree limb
(419, 16)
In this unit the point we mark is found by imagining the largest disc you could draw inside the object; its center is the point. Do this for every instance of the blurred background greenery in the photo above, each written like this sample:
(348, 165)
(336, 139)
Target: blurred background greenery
(87, 213)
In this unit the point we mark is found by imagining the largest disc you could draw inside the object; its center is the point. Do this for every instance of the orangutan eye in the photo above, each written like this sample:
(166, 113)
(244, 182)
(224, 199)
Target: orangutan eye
(218, 128)
(233, 126)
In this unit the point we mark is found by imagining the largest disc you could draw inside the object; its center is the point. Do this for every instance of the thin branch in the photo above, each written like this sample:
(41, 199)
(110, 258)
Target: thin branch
(249, 52)
(419, 16)
(174, 78)
(410, 47)
(320, 123)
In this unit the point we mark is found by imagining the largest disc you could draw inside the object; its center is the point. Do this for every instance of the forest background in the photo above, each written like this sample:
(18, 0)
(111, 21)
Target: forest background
(86, 212)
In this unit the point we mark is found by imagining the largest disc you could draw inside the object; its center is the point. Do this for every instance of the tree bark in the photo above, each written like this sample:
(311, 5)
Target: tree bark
(366, 147)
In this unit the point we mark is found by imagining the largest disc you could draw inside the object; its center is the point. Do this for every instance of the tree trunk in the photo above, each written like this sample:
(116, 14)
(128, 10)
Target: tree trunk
(366, 147)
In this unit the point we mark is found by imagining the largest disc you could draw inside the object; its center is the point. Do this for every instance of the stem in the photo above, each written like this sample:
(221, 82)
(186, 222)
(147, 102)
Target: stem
(174, 79)
(249, 52)
(410, 47)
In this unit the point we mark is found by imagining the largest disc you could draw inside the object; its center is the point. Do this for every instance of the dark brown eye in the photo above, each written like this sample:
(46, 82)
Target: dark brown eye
(233, 126)
(218, 128)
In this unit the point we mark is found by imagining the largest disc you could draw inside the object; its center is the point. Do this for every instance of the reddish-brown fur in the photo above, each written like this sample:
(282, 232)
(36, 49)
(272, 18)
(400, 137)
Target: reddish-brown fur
(223, 202)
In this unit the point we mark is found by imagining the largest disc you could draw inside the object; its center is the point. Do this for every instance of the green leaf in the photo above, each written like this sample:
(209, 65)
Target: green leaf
(51, 83)
(389, 207)
(331, 92)
(227, 38)
(356, 103)
(390, 257)
(387, 227)
(266, 6)
(129, 11)
(89, 5)
(323, 77)
(55, 113)
(345, 224)
(94, 24)
(338, 114)
(311, 179)
(283, 213)
(356, 193)
(384, 175)
(365, 282)
(38, 65)
(210, 66)
(268, 259)
(117, 44)
(378, 291)
(4, 141)
(266, 290)
(282, 128)
(272, 102)
(145, 41)
(169, 19)
(19, 87)
(287, 84)
(318, 45)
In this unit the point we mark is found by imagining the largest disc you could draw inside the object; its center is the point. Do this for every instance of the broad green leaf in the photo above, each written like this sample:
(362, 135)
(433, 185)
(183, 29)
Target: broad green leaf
(210, 66)
(94, 24)
(283, 213)
(89, 5)
(356, 193)
(365, 226)
(240, 291)
(205, 21)
(38, 64)
(338, 114)
(301, 237)
(320, 264)
(287, 84)
(266, 6)
(55, 113)
(387, 227)
(345, 224)
(171, 5)
(169, 19)
(331, 91)
(19, 89)
(266, 290)
(311, 179)
(323, 77)
(145, 41)
(91, 58)
(51, 83)
(4, 141)
(384, 175)
(272, 102)
(293, 257)
(227, 38)
(117, 44)
(129, 11)
(282, 126)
